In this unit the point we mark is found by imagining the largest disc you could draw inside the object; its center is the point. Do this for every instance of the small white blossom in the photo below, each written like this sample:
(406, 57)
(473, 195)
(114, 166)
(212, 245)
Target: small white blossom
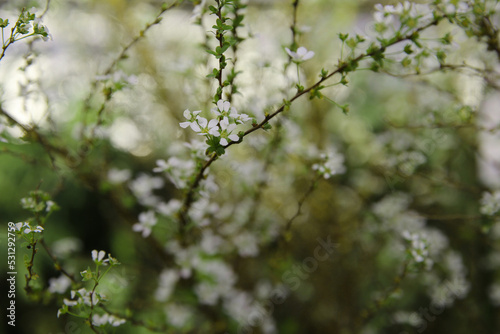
(490, 203)
(146, 221)
(224, 109)
(226, 130)
(168, 209)
(207, 128)
(301, 55)
(418, 246)
(332, 163)
(27, 228)
(162, 166)
(100, 320)
(59, 285)
(98, 256)
(167, 280)
(247, 244)
(49, 205)
(70, 302)
(116, 176)
(191, 120)
(115, 321)
(178, 315)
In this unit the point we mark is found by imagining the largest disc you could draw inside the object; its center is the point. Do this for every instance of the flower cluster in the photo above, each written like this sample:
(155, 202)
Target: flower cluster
(301, 55)
(104, 319)
(490, 203)
(418, 247)
(219, 130)
(146, 222)
(332, 163)
(26, 228)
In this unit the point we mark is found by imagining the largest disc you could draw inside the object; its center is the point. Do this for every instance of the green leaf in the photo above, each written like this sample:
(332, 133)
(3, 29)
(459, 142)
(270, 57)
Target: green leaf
(4, 23)
(408, 49)
(343, 37)
(212, 9)
(324, 73)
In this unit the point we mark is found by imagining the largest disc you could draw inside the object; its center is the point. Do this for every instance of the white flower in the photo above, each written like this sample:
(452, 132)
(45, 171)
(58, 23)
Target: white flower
(247, 245)
(333, 163)
(301, 55)
(116, 176)
(197, 148)
(115, 321)
(168, 209)
(226, 132)
(167, 280)
(49, 205)
(210, 242)
(100, 320)
(28, 229)
(70, 302)
(191, 117)
(143, 187)
(59, 285)
(490, 203)
(224, 109)
(220, 284)
(241, 118)
(146, 221)
(162, 166)
(64, 247)
(97, 257)
(208, 128)
(418, 247)
(178, 315)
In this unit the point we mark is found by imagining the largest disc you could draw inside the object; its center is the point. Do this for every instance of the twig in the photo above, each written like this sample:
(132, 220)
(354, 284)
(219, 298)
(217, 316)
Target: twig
(301, 202)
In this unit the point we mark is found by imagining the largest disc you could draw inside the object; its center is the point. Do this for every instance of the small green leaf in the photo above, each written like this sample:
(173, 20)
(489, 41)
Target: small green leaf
(4, 23)
(212, 9)
(343, 37)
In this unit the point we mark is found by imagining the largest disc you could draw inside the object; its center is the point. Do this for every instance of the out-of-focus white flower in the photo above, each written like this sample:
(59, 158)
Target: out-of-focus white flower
(162, 165)
(178, 315)
(494, 294)
(167, 280)
(490, 203)
(168, 209)
(220, 284)
(301, 55)
(191, 120)
(59, 285)
(210, 242)
(143, 187)
(247, 244)
(332, 163)
(146, 221)
(65, 246)
(418, 246)
(101, 320)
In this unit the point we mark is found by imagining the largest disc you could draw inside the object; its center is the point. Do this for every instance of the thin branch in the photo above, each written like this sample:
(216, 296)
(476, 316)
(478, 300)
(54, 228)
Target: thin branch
(301, 202)
(122, 55)
(57, 264)
(340, 69)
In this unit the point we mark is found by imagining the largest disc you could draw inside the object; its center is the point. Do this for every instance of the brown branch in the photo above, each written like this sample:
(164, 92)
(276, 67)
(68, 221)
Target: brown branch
(301, 203)
(57, 264)
(340, 69)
